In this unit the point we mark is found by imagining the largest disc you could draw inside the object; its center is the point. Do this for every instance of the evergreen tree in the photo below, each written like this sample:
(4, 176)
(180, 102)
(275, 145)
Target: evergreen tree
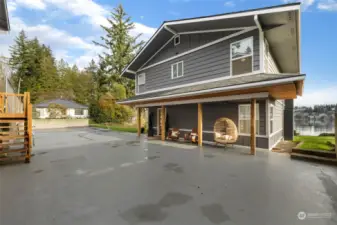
(120, 47)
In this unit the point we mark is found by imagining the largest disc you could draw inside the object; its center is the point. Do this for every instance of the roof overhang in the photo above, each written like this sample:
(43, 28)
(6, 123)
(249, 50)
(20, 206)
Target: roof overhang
(4, 20)
(279, 23)
(286, 88)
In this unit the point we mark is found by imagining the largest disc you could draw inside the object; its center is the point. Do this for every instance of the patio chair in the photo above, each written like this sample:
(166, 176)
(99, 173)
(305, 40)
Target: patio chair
(225, 131)
(192, 136)
(173, 134)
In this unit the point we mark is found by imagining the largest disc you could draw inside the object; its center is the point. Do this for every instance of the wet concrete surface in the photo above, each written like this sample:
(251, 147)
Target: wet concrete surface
(91, 176)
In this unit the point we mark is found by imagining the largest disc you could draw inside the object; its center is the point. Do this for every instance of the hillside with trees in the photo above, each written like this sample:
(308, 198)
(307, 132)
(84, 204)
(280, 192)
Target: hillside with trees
(99, 85)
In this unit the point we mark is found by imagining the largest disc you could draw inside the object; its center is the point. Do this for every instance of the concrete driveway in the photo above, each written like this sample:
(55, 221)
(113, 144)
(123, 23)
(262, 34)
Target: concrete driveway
(94, 177)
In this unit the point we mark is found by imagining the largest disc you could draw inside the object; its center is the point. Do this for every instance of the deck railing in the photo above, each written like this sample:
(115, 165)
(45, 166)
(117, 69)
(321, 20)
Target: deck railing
(15, 126)
(13, 105)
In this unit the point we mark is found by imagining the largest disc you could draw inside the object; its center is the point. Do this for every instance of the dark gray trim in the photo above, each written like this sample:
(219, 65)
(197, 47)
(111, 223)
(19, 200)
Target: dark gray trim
(289, 120)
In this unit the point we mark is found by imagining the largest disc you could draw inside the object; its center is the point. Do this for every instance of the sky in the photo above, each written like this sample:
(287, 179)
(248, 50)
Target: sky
(70, 26)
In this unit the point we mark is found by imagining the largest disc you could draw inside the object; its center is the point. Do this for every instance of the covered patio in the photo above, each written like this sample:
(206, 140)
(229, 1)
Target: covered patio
(267, 87)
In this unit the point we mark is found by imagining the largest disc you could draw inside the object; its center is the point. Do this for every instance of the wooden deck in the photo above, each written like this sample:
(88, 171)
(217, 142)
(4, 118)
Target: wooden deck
(15, 126)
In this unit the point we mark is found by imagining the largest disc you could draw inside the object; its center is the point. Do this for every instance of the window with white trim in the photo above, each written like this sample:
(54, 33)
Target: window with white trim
(244, 119)
(241, 59)
(177, 40)
(141, 79)
(177, 70)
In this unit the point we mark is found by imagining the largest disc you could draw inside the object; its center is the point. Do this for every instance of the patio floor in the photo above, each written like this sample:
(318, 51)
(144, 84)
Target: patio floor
(93, 176)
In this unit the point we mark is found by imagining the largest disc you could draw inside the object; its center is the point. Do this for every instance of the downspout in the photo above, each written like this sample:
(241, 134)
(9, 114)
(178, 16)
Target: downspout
(261, 41)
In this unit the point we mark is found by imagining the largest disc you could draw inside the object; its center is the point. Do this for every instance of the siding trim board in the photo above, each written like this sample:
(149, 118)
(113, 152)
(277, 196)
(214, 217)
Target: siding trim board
(198, 48)
(214, 99)
(215, 30)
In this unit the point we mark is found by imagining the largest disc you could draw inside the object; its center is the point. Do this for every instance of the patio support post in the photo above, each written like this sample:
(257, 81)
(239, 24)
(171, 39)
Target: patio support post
(162, 111)
(200, 124)
(139, 121)
(252, 126)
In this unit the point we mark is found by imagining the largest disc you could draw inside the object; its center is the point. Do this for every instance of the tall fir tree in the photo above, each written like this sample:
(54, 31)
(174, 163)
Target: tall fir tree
(120, 47)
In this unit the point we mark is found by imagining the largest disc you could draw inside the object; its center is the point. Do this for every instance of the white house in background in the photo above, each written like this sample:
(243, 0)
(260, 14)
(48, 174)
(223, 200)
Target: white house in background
(73, 109)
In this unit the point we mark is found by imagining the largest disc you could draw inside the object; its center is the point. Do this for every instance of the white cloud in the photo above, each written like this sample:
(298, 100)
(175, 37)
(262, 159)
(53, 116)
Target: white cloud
(329, 5)
(11, 6)
(305, 3)
(61, 41)
(318, 97)
(229, 4)
(33, 4)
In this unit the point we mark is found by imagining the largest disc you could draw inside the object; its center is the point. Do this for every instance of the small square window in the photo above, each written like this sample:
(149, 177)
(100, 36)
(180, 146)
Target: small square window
(177, 70)
(141, 79)
(177, 40)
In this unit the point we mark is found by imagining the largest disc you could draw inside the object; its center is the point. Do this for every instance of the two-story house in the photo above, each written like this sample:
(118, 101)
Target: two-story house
(195, 71)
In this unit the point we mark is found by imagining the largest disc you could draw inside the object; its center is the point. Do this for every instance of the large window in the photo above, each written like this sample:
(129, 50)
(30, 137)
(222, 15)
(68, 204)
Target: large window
(242, 56)
(177, 70)
(79, 112)
(244, 119)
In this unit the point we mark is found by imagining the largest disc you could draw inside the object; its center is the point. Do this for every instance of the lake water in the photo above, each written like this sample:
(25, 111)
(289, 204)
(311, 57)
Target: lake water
(314, 128)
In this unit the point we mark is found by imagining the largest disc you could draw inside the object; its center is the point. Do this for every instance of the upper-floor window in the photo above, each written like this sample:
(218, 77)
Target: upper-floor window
(177, 40)
(141, 79)
(177, 70)
(242, 56)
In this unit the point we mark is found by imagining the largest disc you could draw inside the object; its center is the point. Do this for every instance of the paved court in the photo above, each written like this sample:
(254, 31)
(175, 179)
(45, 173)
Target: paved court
(96, 177)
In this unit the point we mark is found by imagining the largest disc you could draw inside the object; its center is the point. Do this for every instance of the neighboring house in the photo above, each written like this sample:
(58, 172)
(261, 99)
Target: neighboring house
(72, 109)
(200, 69)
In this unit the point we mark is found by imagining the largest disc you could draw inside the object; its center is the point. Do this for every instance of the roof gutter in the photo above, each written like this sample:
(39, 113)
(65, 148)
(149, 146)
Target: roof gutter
(230, 88)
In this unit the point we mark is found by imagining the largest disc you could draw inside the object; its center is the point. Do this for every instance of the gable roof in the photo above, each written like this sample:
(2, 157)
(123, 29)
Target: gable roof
(4, 21)
(233, 83)
(66, 103)
(169, 29)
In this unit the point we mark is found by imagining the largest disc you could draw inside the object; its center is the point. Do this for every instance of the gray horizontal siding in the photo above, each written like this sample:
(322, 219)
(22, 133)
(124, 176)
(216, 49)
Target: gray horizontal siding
(186, 117)
(187, 42)
(208, 63)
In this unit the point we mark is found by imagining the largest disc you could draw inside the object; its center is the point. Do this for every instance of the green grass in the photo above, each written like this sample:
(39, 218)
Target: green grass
(315, 142)
(117, 127)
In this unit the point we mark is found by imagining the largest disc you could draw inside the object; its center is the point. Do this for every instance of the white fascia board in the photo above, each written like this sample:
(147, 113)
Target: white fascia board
(215, 30)
(158, 51)
(234, 15)
(261, 41)
(214, 99)
(146, 45)
(170, 30)
(198, 48)
(230, 88)
(131, 71)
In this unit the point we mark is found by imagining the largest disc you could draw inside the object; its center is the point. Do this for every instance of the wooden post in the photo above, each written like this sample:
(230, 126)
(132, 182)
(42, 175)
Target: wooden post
(200, 124)
(30, 131)
(2, 104)
(252, 127)
(163, 119)
(139, 121)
